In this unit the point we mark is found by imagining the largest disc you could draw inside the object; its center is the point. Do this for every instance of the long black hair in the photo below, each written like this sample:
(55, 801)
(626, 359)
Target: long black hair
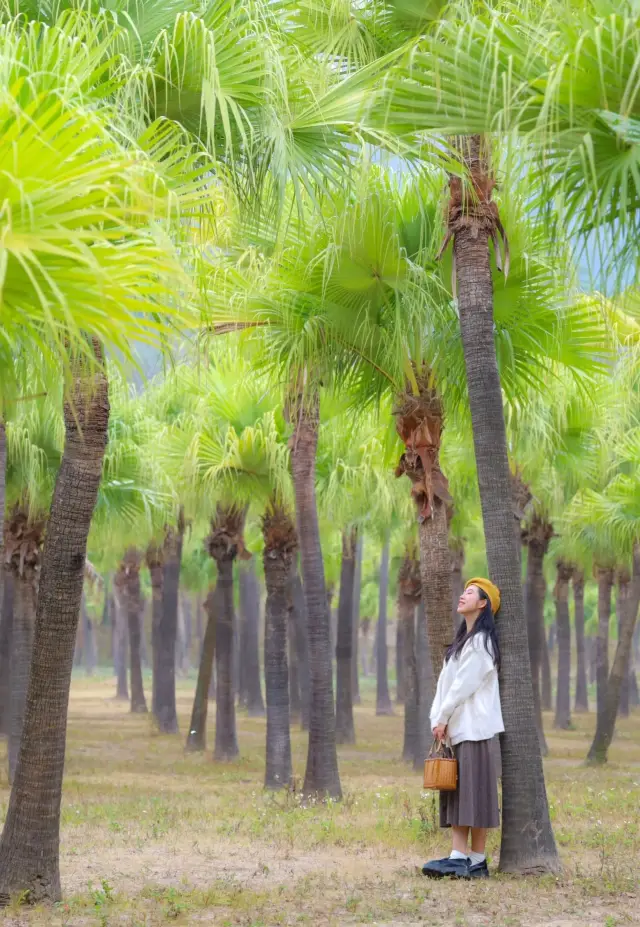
(485, 625)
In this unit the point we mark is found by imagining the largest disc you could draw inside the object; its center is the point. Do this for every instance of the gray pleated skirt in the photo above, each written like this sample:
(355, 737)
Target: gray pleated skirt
(475, 801)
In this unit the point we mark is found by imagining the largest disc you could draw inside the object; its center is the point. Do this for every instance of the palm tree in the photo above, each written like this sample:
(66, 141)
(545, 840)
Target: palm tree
(409, 591)
(249, 607)
(536, 537)
(60, 159)
(581, 702)
(564, 572)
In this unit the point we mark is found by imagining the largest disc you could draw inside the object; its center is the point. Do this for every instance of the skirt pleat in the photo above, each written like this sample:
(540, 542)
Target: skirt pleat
(475, 801)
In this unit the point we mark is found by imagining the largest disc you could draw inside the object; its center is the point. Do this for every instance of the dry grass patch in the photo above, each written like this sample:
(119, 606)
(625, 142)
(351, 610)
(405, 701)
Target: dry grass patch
(151, 835)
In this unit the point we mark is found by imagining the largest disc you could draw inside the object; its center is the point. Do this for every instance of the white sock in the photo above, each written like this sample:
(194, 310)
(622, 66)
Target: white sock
(456, 854)
(476, 858)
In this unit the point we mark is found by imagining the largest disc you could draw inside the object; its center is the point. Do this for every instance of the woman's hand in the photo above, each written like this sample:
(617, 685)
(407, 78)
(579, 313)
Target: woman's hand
(440, 731)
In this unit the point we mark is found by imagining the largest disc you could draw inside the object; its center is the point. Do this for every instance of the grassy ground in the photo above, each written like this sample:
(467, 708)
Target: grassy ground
(152, 836)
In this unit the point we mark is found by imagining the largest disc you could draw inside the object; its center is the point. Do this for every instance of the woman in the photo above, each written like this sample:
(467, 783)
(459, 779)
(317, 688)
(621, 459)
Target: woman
(466, 711)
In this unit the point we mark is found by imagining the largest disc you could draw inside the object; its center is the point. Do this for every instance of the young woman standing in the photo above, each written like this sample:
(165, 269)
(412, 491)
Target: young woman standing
(466, 711)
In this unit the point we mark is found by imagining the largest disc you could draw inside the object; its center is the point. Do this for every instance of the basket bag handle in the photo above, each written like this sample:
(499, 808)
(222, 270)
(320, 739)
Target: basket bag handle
(441, 749)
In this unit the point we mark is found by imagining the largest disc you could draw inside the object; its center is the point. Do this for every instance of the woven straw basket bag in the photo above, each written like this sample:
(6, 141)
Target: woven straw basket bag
(441, 768)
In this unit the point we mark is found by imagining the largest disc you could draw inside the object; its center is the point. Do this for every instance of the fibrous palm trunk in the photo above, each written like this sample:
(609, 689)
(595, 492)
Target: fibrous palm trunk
(357, 585)
(622, 604)
(605, 577)
(250, 655)
(383, 699)
(545, 674)
(279, 548)
(563, 694)
(24, 613)
(127, 582)
(166, 714)
(419, 422)
(120, 644)
(345, 728)
(536, 537)
(457, 581)
(197, 736)
(399, 661)
(321, 775)
(426, 684)
(224, 544)
(155, 565)
(606, 721)
(29, 848)
(581, 699)
(528, 844)
(6, 625)
(294, 669)
(409, 592)
(302, 644)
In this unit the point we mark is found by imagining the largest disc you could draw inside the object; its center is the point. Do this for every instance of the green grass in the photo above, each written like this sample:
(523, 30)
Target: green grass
(151, 835)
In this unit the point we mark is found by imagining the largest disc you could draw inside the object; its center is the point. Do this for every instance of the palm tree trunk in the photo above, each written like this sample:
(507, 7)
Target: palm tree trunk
(546, 694)
(605, 585)
(226, 742)
(155, 564)
(279, 547)
(399, 662)
(24, 612)
(197, 736)
(345, 729)
(6, 625)
(89, 635)
(302, 645)
(250, 656)
(357, 585)
(435, 569)
(426, 685)
(29, 848)
(120, 645)
(129, 580)
(407, 614)
(292, 650)
(563, 695)
(383, 699)
(622, 604)
(605, 725)
(528, 844)
(581, 700)
(321, 775)
(457, 583)
(166, 714)
(537, 537)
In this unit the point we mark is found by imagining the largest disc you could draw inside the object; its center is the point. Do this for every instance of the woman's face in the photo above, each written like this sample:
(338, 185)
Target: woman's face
(470, 602)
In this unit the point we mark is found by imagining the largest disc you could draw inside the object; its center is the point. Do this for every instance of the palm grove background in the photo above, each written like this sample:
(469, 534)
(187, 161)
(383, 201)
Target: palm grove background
(300, 329)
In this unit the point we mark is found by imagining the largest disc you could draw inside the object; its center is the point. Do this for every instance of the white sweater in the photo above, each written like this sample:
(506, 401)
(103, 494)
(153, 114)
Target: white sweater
(467, 698)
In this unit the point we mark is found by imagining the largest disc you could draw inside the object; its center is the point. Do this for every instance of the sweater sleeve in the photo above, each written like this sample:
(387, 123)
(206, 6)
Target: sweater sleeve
(474, 664)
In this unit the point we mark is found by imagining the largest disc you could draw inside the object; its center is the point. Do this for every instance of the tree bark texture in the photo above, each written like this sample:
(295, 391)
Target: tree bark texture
(120, 645)
(197, 736)
(224, 544)
(581, 698)
(457, 582)
(419, 422)
(155, 565)
(321, 775)
(546, 694)
(345, 728)
(166, 715)
(536, 537)
(29, 848)
(409, 593)
(563, 624)
(89, 636)
(292, 650)
(606, 721)
(127, 582)
(280, 544)
(605, 577)
(302, 645)
(6, 625)
(250, 655)
(357, 586)
(24, 613)
(383, 699)
(399, 662)
(528, 844)
(426, 685)
(623, 581)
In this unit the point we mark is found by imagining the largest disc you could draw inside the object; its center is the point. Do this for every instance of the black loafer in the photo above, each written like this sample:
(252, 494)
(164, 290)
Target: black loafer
(440, 868)
(478, 871)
